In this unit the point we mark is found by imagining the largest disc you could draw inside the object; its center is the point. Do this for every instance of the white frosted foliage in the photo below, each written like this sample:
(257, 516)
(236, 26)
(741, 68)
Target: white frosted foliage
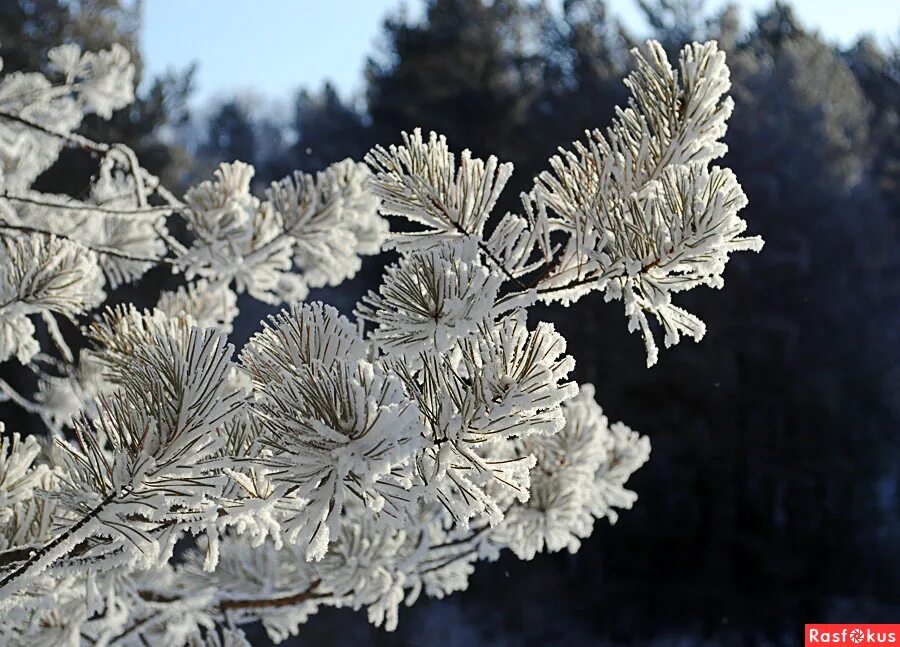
(432, 299)
(180, 488)
(579, 477)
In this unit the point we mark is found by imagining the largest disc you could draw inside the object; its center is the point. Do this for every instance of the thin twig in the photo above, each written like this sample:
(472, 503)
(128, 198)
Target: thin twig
(249, 603)
(72, 138)
(100, 250)
(487, 252)
(135, 173)
(20, 400)
(436, 567)
(464, 540)
(226, 605)
(38, 554)
(286, 601)
(81, 206)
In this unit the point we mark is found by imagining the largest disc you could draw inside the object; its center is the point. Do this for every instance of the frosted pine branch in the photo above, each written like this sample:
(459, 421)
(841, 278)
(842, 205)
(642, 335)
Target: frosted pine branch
(330, 461)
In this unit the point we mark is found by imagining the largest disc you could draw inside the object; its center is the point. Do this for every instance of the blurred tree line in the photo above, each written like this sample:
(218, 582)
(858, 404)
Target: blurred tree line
(773, 494)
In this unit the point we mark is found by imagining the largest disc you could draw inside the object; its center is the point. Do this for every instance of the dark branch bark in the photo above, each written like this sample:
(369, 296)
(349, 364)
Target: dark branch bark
(38, 554)
(286, 601)
(256, 603)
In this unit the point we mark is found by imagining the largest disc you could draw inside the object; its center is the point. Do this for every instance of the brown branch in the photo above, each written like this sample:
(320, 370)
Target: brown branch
(286, 601)
(591, 279)
(464, 540)
(256, 603)
(224, 605)
(447, 562)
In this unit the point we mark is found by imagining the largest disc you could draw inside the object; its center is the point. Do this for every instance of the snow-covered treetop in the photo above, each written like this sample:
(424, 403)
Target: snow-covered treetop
(329, 461)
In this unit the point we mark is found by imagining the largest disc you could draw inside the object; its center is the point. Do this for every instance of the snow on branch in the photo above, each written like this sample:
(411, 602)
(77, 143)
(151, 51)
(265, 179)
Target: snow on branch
(420, 181)
(647, 214)
(328, 462)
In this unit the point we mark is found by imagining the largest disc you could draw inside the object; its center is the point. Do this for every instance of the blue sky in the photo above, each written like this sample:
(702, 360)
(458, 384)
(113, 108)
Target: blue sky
(272, 47)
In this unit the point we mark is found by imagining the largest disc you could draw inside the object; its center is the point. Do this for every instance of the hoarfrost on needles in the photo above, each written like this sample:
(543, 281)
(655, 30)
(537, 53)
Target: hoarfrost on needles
(328, 462)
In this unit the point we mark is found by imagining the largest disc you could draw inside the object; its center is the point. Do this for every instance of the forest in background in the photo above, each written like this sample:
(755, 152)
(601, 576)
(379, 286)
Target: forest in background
(772, 497)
